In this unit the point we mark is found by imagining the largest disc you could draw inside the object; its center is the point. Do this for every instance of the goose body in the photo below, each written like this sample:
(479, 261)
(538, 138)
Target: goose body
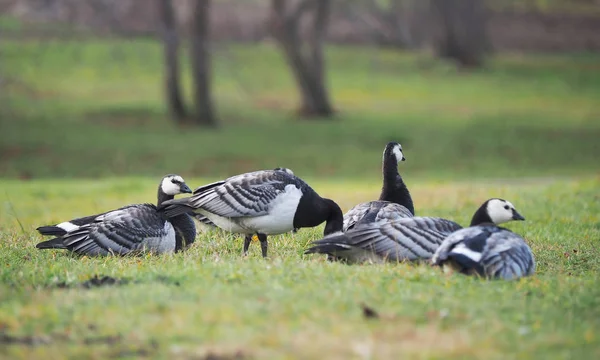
(423, 238)
(487, 250)
(265, 202)
(126, 230)
(394, 201)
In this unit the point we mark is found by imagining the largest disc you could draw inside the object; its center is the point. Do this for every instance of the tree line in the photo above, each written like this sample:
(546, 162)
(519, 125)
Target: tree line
(460, 36)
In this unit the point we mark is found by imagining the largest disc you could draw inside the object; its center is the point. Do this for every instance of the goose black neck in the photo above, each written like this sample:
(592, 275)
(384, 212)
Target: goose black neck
(394, 189)
(314, 210)
(481, 216)
(335, 220)
(162, 197)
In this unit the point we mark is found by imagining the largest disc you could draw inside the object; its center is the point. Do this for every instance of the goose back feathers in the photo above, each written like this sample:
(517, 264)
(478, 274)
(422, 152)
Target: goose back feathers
(129, 229)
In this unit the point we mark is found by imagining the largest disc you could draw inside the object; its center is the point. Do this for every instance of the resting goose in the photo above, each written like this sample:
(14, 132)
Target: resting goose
(394, 201)
(406, 239)
(132, 228)
(486, 249)
(265, 202)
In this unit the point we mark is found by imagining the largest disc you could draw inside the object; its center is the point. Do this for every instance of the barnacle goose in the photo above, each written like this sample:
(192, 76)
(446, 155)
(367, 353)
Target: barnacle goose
(410, 239)
(129, 229)
(265, 202)
(486, 249)
(394, 201)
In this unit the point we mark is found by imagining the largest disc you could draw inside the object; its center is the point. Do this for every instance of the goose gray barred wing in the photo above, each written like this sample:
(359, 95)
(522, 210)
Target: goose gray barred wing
(404, 239)
(244, 195)
(489, 251)
(128, 229)
(203, 219)
(374, 211)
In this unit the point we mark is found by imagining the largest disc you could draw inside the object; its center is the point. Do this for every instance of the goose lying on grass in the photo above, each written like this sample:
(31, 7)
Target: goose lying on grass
(265, 202)
(418, 238)
(132, 228)
(486, 249)
(394, 201)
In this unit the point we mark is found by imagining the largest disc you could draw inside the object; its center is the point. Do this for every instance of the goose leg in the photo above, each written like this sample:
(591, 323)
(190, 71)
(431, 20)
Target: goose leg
(263, 244)
(247, 241)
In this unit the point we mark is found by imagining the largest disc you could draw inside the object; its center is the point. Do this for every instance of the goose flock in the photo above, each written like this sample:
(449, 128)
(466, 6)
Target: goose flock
(271, 202)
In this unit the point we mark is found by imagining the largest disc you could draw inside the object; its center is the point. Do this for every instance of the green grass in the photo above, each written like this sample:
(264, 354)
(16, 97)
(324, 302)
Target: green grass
(87, 109)
(211, 300)
(524, 128)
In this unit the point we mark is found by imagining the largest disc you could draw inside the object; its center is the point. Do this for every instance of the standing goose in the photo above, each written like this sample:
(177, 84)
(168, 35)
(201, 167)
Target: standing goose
(410, 239)
(265, 202)
(394, 201)
(132, 228)
(486, 249)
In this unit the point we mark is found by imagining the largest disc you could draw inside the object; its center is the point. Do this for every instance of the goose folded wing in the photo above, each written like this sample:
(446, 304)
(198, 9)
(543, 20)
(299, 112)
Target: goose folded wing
(354, 215)
(404, 239)
(242, 196)
(506, 255)
(118, 232)
(453, 240)
(392, 212)
(203, 219)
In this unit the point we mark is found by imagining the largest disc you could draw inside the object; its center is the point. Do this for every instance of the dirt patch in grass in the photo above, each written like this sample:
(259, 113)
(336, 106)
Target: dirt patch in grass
(93, 282)
(104, 281)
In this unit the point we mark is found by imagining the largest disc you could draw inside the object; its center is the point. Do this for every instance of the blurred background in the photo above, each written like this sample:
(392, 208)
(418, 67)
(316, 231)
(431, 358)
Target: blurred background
(471, 88)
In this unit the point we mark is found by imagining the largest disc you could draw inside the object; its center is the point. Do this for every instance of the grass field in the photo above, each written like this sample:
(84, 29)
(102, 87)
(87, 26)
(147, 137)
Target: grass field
(83, 130)
(210, 300)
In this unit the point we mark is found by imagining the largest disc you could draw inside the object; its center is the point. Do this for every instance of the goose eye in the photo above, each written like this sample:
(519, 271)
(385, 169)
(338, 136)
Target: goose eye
(506, 207)
(175, 181)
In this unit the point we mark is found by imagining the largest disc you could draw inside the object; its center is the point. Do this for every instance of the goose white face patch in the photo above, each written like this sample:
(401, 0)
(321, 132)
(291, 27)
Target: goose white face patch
(398, 153)
(500, 211)
(171, 185)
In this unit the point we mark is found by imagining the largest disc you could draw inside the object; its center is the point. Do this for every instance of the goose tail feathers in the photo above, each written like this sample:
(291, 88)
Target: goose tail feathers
(56, 243)
(175, 207)
(51, 230)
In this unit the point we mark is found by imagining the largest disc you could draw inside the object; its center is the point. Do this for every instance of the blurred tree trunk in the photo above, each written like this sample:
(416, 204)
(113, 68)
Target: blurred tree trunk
(171, 45)
(463, 35)
(305, 59)
(201, 69)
